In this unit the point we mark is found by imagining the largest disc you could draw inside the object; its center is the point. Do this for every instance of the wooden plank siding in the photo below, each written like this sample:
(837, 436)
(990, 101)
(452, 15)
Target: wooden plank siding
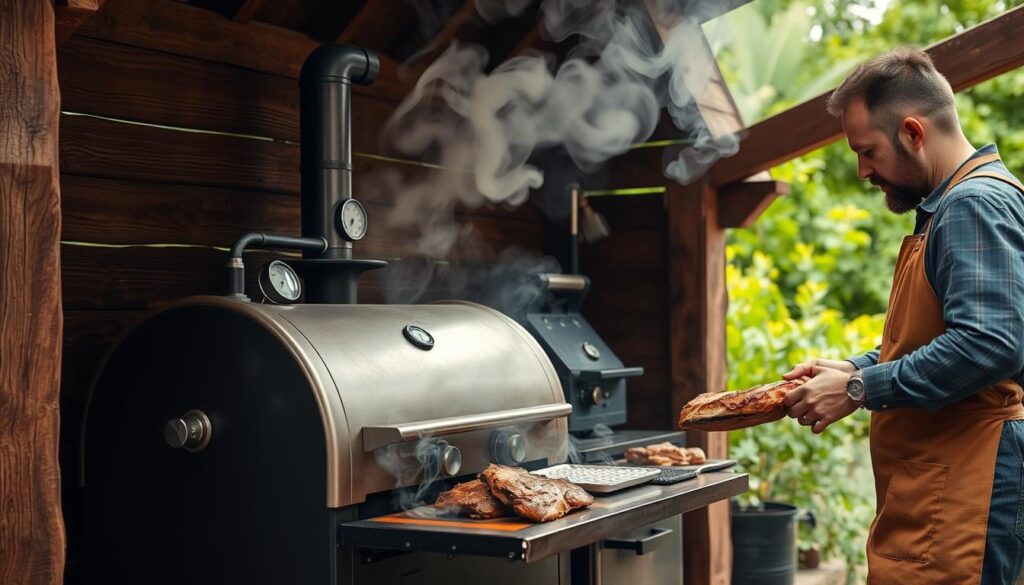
(628, 300)
(110, 211)
(182, 29)
(182, 127)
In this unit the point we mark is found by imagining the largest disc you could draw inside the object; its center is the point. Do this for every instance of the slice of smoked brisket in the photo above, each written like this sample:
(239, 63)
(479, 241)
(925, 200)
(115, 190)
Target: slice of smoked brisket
(472, 499)
(536, 498)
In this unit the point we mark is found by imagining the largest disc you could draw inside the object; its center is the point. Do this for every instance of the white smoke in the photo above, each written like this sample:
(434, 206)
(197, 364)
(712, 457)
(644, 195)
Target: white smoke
(490, 124)
(485, 131)
(416, 470)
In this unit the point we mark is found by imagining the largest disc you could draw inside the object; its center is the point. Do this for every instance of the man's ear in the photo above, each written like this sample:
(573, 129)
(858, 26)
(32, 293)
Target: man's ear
(912, 133)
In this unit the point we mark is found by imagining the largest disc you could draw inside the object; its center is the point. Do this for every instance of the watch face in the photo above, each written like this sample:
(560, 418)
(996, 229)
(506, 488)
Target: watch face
(855, 389)
(352, 219)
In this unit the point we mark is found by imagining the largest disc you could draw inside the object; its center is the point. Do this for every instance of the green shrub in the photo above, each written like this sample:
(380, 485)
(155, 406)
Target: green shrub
(828, 474)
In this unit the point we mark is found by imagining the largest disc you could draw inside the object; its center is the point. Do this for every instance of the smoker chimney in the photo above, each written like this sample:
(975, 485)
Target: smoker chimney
(326, 137)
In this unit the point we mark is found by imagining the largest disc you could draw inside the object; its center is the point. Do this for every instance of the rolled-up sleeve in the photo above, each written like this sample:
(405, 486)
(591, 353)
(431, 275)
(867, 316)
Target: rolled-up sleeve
(976, 251)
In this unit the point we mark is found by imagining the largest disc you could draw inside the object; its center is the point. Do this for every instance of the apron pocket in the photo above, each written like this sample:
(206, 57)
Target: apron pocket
(905, 528)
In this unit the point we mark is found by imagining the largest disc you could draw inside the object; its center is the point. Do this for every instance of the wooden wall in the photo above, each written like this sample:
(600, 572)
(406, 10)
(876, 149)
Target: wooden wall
(179, 132)
(628, 303)
(173, 132)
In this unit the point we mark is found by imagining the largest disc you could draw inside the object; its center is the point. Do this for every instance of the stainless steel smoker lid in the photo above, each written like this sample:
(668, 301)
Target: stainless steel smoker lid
(374, 380)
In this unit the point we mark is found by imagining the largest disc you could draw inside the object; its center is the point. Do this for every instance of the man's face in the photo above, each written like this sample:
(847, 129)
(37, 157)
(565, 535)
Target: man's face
(888, 166)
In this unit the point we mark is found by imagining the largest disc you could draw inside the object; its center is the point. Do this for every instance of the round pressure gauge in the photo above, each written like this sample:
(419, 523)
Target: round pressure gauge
(351, 220)
(279, 283)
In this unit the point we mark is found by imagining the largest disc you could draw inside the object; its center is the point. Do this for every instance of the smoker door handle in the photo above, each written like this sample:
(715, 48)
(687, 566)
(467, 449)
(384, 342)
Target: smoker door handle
(375, 437)
(641, 546)
(610, 374)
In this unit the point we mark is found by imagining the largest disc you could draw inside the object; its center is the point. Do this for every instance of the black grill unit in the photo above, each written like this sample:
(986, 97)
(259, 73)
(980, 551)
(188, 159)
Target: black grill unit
(592, 376)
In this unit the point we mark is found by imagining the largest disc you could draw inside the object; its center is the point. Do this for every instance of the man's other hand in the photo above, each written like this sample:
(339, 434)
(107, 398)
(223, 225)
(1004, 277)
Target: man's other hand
(807, 368)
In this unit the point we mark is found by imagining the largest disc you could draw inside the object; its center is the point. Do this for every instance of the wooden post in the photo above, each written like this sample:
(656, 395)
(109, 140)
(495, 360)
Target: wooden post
(697, 305)
(31, 527)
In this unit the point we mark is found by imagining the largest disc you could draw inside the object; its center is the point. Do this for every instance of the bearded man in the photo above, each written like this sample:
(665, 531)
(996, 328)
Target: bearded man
(944, 386)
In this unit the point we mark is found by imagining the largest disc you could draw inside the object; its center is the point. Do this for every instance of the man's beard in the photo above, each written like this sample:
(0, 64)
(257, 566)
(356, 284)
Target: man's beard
(912, 188)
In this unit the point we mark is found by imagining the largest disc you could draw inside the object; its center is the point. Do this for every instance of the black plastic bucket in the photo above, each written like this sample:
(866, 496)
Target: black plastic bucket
(764, 544)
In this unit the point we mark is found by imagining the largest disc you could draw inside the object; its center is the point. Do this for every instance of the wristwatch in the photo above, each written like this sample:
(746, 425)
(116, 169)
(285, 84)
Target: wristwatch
(855, 388)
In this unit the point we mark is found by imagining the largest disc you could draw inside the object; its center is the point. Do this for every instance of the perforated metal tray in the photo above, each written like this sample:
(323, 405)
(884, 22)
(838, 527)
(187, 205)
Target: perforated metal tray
(600, 478)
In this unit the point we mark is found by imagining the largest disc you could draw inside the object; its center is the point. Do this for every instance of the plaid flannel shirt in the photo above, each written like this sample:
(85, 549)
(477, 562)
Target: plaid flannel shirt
(974, 260)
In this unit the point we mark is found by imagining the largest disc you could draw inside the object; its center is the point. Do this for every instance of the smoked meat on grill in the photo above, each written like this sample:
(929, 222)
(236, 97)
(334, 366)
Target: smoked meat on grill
(536, 498)
(472, 499)
(665, 454)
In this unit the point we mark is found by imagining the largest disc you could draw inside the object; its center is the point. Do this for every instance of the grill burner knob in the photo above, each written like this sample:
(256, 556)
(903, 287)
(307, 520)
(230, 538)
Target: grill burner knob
(439, 458)
(451, 459)
(190, 432)
(508, 448)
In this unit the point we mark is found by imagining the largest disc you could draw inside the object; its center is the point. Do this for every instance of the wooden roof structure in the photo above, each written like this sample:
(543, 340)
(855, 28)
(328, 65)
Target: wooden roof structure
(178, 123)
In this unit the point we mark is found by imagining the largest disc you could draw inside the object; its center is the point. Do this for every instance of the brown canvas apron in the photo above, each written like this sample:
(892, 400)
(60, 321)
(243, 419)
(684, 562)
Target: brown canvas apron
(933, 470)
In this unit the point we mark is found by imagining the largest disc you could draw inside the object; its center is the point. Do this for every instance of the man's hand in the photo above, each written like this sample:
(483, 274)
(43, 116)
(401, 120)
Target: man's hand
(807, 368)
(822, 400)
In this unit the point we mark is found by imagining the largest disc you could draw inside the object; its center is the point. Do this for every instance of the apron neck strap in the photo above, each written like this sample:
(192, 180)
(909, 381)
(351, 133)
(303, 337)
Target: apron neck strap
(968, 168)
(961, 175)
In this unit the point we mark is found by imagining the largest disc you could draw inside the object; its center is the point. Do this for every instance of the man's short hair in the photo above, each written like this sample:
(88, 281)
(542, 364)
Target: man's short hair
(900, 83)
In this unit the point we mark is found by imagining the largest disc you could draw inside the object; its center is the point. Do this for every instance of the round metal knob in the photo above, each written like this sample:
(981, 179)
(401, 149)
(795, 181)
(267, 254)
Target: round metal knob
(516, 448)
(508, 448)
(591, 351)
(596, 395)
(191, 432)
(451, 460)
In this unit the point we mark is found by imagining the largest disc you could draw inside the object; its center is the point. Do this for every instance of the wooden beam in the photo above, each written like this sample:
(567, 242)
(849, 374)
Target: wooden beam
(186, 30)
(966, 59)
(741, 203)
(377, 24)
(70, 14)
(248, 10)
(439, 43)
(31, 527)
(714, 101)
(697, 353)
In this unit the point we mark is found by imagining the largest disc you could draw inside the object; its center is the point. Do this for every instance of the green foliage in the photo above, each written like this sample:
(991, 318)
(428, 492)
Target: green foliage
(812, 277)
(828, 474)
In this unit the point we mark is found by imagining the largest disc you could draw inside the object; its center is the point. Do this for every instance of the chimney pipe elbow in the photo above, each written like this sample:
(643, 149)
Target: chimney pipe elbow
(345, 63)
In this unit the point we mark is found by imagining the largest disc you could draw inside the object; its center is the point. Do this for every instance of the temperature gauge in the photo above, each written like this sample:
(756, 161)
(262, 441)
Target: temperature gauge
(279, 283)
(351, 220)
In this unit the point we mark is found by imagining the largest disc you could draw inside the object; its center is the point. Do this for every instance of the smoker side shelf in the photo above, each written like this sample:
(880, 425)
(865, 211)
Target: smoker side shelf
(518, 539)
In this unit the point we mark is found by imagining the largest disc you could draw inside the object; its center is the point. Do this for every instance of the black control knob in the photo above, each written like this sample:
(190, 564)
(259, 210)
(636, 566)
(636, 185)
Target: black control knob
(594, 395)
(191, 432)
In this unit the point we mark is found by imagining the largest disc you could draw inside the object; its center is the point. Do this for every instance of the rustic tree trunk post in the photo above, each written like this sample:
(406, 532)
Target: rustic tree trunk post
(697, 305)
(31, 527)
